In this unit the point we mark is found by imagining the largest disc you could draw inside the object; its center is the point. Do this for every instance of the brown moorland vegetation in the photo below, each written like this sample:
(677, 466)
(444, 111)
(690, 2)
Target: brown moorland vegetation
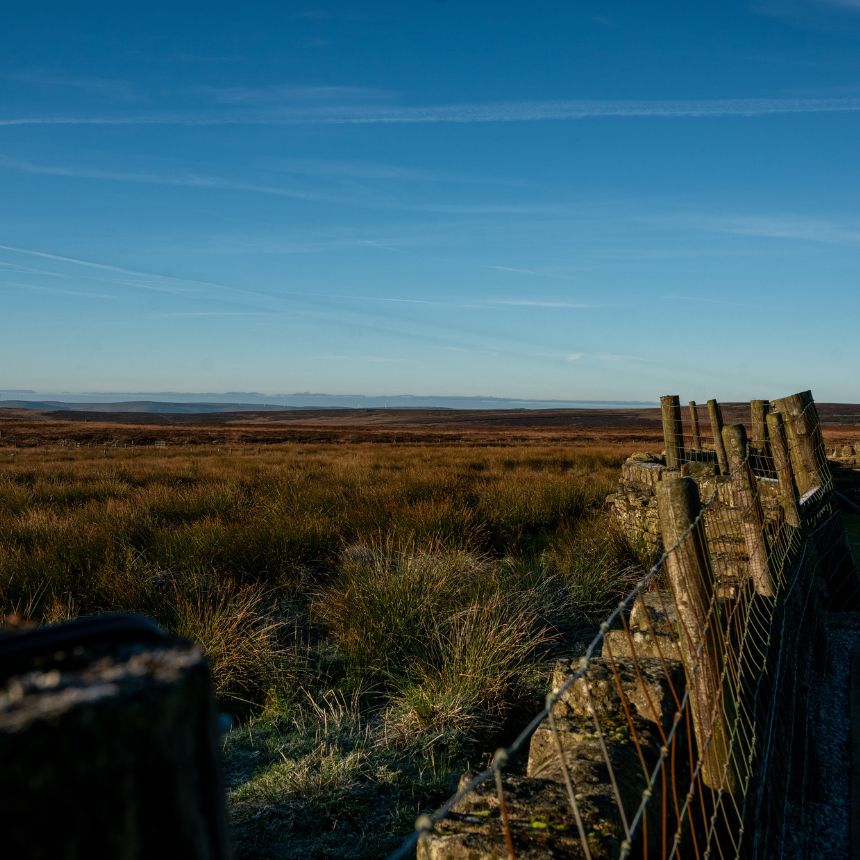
(378, 614)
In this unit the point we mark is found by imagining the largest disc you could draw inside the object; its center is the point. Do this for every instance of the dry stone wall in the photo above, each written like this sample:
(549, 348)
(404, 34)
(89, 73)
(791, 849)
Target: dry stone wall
(675, 697)
(633, 511)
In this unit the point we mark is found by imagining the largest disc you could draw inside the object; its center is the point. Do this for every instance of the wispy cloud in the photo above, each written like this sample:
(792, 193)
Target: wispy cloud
(373, 359)
(113, 88)
(704, 300)
(513, 270)
(774, 227)
(554, 273)
(206, 314)
(539, 303)
(45, 255)
(346, 195)
(492, 112)
(467, 303)
(201, 181)
(170, 118)
(36, 288)
(330, 14)
(361, 170)
(616, 356)
(387, 359)
(29, 270)
(531, 111)
(136, 278)
(396, 300)
(550, 210)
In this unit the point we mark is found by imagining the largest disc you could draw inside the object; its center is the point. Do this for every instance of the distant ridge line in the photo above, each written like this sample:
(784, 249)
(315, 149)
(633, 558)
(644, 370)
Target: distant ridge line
(298, 402)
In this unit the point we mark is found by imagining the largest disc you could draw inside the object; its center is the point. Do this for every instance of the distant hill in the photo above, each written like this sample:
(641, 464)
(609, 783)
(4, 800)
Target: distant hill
(144, 406)
(194, 404)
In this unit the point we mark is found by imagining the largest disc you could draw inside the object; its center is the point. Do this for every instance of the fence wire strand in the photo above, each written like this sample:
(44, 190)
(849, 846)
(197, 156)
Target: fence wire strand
(688, 703)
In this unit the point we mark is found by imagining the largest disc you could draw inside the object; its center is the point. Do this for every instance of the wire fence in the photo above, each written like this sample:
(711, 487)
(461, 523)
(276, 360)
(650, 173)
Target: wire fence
(685, 729)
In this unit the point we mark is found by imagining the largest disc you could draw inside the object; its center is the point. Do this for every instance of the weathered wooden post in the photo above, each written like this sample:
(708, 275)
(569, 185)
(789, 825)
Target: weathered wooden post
(691, 581)
(805, 444)
(748, 506)
(716, 417)
(818, 511)
(694, 426)
(110, 745)
(673, 430)
(782, 465)
(758, 425)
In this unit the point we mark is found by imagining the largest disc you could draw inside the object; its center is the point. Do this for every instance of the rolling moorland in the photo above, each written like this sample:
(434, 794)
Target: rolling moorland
(380, 593)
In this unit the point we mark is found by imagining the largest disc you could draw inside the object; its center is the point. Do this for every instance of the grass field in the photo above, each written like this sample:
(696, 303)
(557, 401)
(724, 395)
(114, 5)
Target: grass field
(378, 617)
(380, 596)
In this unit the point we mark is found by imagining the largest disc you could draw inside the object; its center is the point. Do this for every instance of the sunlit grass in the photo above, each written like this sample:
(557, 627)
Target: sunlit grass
(376, 616)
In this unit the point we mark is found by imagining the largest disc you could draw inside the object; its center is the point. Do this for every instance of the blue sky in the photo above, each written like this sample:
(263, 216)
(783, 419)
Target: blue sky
(589, 200)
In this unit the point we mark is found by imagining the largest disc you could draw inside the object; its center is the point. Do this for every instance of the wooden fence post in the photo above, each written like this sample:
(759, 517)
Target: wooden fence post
(811, 472)
(694, 424)
(748, 505)
(691, 580)
(716, 417)
(110, 745)
(805, 445)
(758, 425)
(782, 465)
(673, 431)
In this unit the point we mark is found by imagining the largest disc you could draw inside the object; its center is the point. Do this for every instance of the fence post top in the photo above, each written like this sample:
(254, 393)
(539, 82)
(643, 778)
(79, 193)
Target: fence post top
(774, 418)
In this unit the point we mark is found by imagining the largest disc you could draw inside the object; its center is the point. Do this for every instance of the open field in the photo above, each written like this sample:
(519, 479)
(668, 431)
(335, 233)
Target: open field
(630, 427)
(378, 616)
(379, 594)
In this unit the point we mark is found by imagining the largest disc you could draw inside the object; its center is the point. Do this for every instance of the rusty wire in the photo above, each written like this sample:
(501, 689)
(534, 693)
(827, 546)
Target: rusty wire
(747, 646)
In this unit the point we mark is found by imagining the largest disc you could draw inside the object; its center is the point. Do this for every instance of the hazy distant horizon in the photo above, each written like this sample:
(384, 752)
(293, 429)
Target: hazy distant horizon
(306, 399)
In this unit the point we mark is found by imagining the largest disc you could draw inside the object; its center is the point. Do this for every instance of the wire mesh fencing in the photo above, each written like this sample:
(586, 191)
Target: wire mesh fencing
(685, 729)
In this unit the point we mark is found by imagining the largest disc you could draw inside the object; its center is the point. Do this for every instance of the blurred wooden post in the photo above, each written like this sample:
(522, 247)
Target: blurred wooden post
(673, 430)
(716, 417)
(782, 465)
(110, 745)
(691, 580)
(694, 425)
(748, 505)
(758, 425)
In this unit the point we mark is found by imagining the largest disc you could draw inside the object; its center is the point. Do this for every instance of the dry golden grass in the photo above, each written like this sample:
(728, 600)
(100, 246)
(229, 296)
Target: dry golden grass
(422, 584)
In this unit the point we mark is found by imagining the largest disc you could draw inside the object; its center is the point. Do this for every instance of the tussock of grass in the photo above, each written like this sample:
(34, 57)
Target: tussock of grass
(438, 627)
(460, 688)
(235, 627)
(593, 566)
(389, 596)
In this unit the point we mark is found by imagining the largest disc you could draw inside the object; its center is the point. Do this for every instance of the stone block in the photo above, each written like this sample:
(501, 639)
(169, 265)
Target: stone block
(643, 645)
(541, 822)
(654, 611)
(641, 475)
(651, 687)
(648, 457)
